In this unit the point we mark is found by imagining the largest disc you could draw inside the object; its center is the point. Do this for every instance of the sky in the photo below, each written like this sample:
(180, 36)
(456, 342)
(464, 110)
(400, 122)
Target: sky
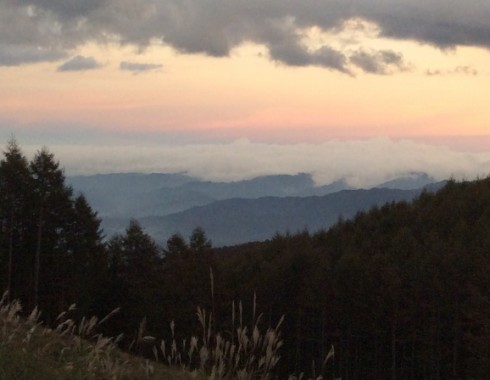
(365, 90)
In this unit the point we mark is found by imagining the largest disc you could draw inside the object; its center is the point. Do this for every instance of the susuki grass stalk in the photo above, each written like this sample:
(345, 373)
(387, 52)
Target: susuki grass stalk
(249, 352)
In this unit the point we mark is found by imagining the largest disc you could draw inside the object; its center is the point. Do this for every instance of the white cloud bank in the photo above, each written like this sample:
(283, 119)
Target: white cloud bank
(363, 163)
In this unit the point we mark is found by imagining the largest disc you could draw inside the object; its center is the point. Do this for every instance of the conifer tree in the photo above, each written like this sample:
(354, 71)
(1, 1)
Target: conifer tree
(198, 240)
(176, 245)
(15, 184)
(86, 256)
(136, 266)
(52, 213)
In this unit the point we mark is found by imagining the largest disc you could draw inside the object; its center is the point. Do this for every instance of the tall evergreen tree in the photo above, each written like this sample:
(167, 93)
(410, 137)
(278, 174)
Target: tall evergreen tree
(15, 185)
(136, 269)
(52, 214)
(87, 261)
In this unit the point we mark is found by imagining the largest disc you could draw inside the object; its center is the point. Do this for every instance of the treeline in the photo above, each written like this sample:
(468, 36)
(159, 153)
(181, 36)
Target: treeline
(401, 291)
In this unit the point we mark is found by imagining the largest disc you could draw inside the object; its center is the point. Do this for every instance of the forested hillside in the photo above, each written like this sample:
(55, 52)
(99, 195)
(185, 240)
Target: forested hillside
(400, 291)
(237, 221)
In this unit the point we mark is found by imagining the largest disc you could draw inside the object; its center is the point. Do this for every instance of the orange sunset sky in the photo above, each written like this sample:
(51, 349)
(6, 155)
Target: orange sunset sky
(121, 74)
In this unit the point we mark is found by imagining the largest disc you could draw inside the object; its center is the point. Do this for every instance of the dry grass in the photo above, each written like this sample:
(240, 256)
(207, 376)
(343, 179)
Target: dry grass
(244, 353)
(329, 357)
(29, 350)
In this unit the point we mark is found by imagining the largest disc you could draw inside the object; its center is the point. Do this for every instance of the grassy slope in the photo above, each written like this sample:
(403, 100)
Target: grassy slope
(30, 351)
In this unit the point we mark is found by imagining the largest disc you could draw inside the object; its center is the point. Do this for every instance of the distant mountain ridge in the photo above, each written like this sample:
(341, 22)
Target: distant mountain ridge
(235, 221)
(277, 185)
(414, 180)
(234, 212)
(138, 195)
(132, 194)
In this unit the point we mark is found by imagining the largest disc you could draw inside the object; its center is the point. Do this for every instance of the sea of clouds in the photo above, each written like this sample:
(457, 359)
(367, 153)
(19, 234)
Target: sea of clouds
(362, 163)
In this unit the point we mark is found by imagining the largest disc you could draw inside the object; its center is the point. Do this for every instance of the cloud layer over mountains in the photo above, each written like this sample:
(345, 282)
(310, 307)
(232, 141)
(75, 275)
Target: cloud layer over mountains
(45, 30)
(362, 163)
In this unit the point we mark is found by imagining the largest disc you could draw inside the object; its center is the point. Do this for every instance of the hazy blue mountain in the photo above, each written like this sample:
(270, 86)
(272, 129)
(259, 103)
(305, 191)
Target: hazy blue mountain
(138, 195)
(325, 189)
(274, 185)
(135, 194)
(128, 182)
(232, 212)
(235, 221)
(411, 181)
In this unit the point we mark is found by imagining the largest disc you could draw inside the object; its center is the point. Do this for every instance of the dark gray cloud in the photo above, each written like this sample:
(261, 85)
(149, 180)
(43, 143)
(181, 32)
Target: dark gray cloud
(215, 27)
(378, 62)
(293, 54)
(66, 8)
(443, 23)
(79, 63)
(137, 67)
(14, 55)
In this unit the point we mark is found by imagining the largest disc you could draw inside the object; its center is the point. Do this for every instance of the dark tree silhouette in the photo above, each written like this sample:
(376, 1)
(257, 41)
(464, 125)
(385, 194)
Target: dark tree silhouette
(15, 188)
